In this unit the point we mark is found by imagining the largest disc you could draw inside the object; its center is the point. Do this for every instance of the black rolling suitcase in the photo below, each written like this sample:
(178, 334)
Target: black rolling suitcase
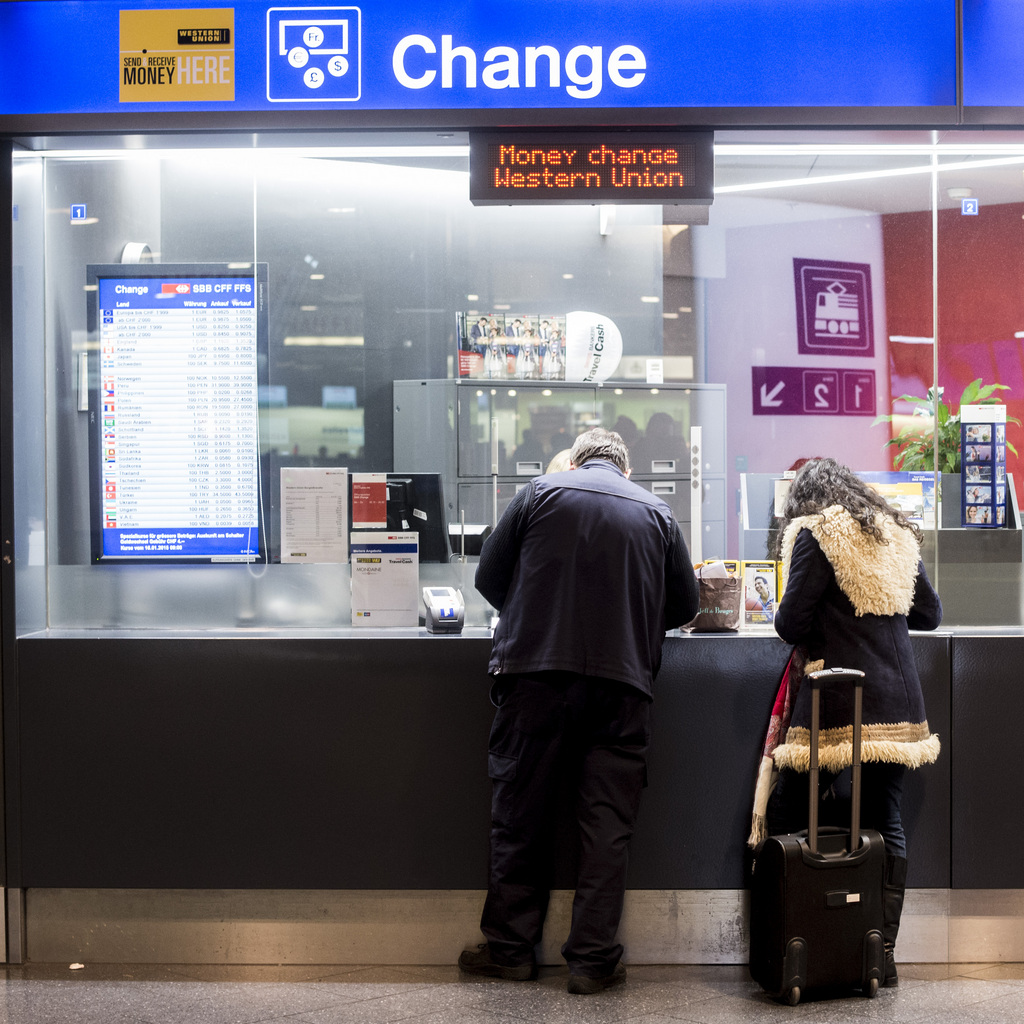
(816, 896)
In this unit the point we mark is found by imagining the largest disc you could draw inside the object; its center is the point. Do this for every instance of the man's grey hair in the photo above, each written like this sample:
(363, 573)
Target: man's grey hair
(599, 443)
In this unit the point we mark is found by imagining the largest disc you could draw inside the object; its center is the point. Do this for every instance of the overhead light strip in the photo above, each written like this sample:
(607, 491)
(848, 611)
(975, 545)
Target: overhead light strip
(866, 149)
(309, 152)
(893, 172)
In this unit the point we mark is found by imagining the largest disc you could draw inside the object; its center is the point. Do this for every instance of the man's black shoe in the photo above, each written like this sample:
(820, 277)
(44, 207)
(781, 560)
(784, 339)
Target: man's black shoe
(478, 961)
(580, 985)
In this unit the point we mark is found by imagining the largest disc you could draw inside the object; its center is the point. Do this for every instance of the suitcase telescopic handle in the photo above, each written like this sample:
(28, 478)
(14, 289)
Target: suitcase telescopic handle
(817, 680)
(836, 675)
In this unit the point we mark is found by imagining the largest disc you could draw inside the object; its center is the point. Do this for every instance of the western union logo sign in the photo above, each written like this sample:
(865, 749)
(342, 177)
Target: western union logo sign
(198, 36)
(177, 56)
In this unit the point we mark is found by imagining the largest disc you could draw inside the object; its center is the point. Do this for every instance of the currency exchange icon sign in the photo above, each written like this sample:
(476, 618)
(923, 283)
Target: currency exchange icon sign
(314, 54)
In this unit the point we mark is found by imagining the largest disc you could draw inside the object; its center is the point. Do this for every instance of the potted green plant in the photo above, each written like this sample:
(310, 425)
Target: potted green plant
(934, 429)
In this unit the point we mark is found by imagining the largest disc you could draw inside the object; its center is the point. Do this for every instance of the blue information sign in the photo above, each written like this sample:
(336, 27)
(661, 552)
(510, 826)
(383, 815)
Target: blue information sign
(174, 414)
(485, 56)
(993, 62)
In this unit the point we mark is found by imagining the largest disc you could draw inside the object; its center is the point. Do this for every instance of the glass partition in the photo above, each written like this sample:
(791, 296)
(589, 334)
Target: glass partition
(924, 239)
(834, 274)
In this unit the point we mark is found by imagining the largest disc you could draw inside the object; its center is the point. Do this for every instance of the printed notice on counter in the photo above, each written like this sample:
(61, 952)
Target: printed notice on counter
(314, 514)
(369, 501)
(385, 579)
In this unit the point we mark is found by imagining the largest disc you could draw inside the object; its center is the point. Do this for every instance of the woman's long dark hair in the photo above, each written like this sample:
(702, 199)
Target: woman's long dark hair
(821, 483)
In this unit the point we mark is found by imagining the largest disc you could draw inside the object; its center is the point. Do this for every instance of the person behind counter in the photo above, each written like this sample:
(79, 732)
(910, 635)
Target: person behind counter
(587, 571)
(853, 585)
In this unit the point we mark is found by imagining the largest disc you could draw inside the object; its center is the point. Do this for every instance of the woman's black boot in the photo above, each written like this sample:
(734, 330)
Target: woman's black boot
(892, 909)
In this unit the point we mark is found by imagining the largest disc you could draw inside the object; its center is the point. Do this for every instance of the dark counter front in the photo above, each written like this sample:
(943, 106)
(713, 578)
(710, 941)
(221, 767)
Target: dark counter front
(988, 783)
(360, 763)
(714, 698)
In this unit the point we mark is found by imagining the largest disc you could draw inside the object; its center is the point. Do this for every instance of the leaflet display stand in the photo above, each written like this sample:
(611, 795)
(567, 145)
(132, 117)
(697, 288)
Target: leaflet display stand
(983, 458)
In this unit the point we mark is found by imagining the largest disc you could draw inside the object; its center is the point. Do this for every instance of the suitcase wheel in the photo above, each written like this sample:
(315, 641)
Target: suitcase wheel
(872, 990)
(793, 995)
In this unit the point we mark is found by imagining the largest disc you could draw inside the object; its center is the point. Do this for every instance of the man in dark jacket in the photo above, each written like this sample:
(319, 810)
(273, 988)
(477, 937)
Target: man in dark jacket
(587, 571)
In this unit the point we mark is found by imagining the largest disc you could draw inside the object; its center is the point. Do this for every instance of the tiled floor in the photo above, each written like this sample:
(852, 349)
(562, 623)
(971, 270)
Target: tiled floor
(106, 994)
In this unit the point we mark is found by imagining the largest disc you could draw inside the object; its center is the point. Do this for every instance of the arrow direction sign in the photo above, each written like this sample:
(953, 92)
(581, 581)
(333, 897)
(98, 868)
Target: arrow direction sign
(772, 396)
(812, 391)
(769, 399)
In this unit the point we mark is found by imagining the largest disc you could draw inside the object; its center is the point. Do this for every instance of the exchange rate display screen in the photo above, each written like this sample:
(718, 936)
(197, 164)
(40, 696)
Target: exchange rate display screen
(177, 350)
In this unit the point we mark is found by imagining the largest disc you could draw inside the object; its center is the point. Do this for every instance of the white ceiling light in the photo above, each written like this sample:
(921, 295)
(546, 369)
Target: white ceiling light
(894, 172)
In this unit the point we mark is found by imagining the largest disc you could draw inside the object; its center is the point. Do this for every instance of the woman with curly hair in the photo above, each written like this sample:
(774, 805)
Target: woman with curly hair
(854, 584)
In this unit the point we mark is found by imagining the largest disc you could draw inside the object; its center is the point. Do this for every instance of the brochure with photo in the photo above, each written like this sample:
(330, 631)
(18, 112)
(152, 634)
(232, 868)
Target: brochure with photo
(912, 493)
(760, 592)
(523, 347)
(481, 340)
(551, 335)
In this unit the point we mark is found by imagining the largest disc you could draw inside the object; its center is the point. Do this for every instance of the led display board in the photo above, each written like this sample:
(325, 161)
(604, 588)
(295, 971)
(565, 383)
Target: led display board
(660, 168)
(174, 448)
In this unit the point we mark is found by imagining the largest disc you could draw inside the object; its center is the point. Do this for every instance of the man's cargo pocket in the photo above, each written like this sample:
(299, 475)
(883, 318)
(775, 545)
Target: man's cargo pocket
(501, 766)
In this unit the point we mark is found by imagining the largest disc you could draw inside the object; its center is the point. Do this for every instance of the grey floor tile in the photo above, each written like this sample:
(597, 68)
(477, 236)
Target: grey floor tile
(1012, 973)
(1008, 1009)
(450, 1015)
(296, 973)
(757, 1008)
(547, 999)
(89, 972)
(54, 1002)
(343, 994)
(938, 972)
(919, 1001)
(182, 1001)
(428, 1003)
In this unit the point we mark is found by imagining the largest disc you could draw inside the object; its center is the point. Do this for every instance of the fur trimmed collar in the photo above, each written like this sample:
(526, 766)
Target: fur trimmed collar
(877, 578)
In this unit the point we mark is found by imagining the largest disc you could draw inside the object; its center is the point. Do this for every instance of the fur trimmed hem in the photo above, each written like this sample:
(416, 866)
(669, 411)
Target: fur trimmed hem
(907, 744)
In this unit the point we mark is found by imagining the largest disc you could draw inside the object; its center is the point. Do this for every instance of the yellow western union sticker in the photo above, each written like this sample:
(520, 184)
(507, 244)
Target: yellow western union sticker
(177, 56)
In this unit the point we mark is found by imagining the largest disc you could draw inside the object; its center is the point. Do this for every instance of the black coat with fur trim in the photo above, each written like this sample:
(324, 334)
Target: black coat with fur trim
(849, 601)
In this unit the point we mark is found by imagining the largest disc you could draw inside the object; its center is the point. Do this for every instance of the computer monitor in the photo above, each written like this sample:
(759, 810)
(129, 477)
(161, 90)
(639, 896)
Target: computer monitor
(468, 538)
(415, 501)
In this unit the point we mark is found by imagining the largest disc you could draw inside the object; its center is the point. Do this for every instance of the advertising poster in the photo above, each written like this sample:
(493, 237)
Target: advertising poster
(369, 501)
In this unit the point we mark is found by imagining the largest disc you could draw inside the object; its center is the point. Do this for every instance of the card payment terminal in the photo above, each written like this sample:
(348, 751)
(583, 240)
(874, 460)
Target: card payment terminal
(445, 609)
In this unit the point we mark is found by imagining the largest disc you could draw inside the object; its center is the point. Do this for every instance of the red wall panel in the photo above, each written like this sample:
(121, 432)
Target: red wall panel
(981, 304)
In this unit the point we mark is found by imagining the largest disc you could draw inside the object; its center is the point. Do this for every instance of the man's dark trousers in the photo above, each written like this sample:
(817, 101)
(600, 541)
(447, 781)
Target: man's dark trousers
(550, 727)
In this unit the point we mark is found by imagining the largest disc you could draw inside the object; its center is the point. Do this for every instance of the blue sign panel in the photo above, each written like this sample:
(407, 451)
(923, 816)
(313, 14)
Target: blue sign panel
(500, 55)
(993, 46)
